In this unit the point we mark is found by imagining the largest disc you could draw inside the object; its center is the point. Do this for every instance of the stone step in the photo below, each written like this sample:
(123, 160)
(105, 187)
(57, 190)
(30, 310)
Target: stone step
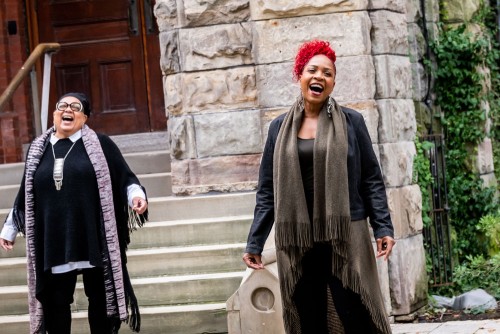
(202, 206)
(170, 208)
(157, 184)
(140, 162)
(148, 162)
(154, 262)
(142, 142)
(183, 319)
(219, 230)
(193, 207)
(154, 291)
(11, 174)
(8, 194)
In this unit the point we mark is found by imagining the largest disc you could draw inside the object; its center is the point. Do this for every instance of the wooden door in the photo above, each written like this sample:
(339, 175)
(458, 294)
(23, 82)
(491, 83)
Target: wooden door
(107, 52)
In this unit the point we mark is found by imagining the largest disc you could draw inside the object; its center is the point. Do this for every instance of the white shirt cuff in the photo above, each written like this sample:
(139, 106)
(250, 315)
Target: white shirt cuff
(9, 231)
(134, 190)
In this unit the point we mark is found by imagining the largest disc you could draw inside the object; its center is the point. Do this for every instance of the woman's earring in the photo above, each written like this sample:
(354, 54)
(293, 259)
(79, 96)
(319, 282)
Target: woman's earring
(329, 106)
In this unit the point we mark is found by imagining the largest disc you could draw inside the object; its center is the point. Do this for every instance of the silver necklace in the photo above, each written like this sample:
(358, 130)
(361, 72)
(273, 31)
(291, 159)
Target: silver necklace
(59, 167)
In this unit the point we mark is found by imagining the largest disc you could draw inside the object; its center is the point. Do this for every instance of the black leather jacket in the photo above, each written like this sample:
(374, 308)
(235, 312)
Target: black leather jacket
(367, 194)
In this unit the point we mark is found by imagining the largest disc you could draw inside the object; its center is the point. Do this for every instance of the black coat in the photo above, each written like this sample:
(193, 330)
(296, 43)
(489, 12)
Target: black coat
(367, 194)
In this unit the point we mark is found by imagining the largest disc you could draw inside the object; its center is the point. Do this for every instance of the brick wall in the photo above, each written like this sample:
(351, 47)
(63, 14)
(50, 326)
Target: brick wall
(16, 118)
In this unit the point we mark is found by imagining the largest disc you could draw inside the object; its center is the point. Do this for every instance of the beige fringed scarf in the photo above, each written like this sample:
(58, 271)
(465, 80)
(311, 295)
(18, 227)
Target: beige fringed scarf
(295, 234)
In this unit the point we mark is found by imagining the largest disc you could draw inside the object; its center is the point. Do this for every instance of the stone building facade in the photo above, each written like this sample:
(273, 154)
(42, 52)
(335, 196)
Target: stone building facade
(227, 70)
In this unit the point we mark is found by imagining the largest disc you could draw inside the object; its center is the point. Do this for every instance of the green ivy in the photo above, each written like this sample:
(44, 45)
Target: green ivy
(478, 272)
(490, 226)
(461, 94)
(423, 177)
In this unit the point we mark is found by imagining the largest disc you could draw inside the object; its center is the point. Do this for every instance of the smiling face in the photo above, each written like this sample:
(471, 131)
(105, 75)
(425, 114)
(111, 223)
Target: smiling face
(317, 81)
(68, 121)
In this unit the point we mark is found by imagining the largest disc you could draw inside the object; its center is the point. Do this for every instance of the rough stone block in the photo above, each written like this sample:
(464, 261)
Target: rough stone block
(420, 83)
(414, 10)
(370, 113)
(169, 52)
(200, 12)
(408, 278)
(279, 40)
(396, 161)
(275, 86)
(489, 180)
(181, 137)
(217, 46)
(416, 43)
(397, 120)
(355, 79)
(222, 174)
(219, 90)
(393, 77)
(166, 14)
(228, 133)
(423, 117)
(394, 5)
(172, 92)
(405, 206)
(265, 9)
(389, 33)
(484, 161)
(460, 10)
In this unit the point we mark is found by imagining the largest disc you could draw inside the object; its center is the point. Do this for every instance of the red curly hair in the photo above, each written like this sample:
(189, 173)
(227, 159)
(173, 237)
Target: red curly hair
(309, 50)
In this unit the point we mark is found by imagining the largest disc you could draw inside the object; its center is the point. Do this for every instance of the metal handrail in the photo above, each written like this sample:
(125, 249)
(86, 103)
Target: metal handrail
(24, 71)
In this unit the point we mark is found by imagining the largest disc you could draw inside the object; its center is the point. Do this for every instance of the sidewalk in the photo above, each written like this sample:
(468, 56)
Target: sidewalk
(456, 327)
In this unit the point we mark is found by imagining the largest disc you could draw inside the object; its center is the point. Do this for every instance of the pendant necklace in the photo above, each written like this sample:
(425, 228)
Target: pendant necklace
(58, 167)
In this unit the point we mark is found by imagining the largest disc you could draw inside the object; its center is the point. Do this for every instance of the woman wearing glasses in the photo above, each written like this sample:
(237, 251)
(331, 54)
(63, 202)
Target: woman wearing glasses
(76, 206)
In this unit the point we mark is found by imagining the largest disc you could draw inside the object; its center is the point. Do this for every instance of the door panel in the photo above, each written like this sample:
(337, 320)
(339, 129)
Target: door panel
(102, 56)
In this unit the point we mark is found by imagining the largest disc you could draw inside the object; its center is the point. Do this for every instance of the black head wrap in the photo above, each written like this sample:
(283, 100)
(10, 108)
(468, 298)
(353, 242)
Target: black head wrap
(83, 99)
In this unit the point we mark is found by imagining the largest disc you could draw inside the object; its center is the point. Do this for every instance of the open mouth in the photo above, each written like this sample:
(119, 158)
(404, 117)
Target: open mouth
(317, 88)
(67, 118)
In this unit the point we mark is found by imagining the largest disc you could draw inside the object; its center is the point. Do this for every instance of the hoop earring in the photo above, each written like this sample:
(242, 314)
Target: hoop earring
(329, 107)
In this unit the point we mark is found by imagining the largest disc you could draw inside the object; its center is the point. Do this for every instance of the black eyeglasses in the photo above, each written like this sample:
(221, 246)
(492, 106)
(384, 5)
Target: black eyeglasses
(75, 106)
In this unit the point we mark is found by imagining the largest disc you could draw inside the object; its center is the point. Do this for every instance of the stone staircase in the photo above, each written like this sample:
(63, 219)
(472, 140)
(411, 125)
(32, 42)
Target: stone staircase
(185, 263)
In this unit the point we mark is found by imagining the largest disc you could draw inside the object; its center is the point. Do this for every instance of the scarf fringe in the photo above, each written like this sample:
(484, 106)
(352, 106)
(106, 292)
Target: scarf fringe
(292, 233)
(136, 220)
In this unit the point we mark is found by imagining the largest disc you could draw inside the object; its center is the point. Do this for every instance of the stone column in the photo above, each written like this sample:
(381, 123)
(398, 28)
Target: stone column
(396, 133)
(210, 94)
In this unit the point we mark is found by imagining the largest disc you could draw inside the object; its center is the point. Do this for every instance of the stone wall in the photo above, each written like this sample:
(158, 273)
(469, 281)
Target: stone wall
(227, 67)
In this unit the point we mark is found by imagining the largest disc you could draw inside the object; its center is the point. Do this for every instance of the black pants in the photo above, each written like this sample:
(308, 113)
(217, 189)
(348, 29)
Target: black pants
(311, 297)
(58, 297)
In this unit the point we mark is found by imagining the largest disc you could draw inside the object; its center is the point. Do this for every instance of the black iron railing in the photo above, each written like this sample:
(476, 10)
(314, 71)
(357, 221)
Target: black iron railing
(437, 235)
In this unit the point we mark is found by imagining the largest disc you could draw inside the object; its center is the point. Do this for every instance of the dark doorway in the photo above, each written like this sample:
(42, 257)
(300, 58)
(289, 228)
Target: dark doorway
(109, 50)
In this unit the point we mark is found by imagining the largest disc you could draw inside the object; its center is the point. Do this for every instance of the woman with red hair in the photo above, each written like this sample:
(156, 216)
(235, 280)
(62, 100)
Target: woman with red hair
(319, 181)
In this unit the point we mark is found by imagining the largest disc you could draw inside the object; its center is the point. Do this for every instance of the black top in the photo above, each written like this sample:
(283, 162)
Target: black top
(367, 196)
(305, 149)
(68, 220)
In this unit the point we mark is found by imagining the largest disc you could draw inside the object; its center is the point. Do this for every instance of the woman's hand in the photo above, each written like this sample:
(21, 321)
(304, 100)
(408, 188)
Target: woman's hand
(139, 205)
(253, 261)
(384, 246)
(6, 244)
